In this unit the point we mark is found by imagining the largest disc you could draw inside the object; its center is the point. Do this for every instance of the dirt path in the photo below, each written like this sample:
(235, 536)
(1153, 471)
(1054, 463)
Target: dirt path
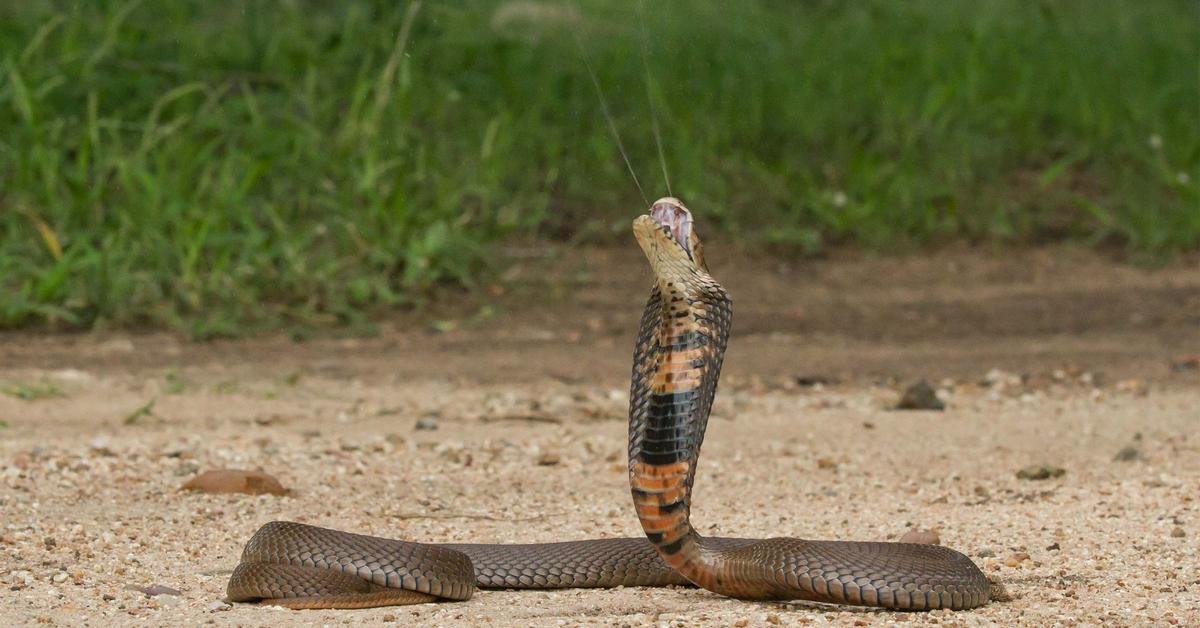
(1056, 358)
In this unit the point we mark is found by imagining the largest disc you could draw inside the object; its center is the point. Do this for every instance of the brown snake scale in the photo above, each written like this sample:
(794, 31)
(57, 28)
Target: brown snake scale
(677, 362)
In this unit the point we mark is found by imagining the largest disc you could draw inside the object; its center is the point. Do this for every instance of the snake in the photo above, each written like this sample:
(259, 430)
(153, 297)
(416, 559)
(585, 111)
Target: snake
(679, 350)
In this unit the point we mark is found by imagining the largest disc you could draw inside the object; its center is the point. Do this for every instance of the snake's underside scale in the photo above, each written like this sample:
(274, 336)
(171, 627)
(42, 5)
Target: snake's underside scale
(676, 365)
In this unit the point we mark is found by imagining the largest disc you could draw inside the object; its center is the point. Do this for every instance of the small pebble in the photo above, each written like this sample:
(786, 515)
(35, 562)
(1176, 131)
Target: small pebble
(154, 590)
(1016, 559)
(99, 446)
(1128, 453)
(1134, 386)
(19, 580)
(1186, 363)
(549, 459)
(922, 537)
(809, 381)
(1052, 547)
(426, 423)
(1178, 533)
(235, 481)
(187, 467)
(218, 605)
(986, 553)
(1040, 472)
(920, 396)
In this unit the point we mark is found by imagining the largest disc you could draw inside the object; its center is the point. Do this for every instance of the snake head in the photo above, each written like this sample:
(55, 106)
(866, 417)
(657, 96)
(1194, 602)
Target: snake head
(666, 234)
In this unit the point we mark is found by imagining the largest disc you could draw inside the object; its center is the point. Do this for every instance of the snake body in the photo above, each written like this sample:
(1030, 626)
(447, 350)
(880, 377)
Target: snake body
(677, 362)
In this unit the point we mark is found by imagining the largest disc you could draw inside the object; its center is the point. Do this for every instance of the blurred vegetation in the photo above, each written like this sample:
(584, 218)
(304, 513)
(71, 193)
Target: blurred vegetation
(224, 166)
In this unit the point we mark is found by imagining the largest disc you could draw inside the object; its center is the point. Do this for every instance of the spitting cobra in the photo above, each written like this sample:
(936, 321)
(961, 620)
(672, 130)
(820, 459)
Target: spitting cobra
(677, 361)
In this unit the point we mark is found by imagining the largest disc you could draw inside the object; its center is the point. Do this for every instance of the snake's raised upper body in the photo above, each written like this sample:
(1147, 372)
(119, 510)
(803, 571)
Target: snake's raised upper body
(677, 362)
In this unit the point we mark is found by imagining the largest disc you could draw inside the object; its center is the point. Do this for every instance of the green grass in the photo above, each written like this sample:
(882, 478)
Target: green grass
(221, 167)
(32, 392)
(146, 410)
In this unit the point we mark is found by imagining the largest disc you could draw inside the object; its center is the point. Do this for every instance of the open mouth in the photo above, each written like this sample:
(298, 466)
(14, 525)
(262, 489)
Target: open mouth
(671, 215)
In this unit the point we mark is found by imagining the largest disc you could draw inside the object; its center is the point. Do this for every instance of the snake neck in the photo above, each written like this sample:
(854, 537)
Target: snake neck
(677, 362)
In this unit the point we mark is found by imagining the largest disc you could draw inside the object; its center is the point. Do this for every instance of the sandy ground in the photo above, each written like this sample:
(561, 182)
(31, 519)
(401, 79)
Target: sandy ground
(1055, 357)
